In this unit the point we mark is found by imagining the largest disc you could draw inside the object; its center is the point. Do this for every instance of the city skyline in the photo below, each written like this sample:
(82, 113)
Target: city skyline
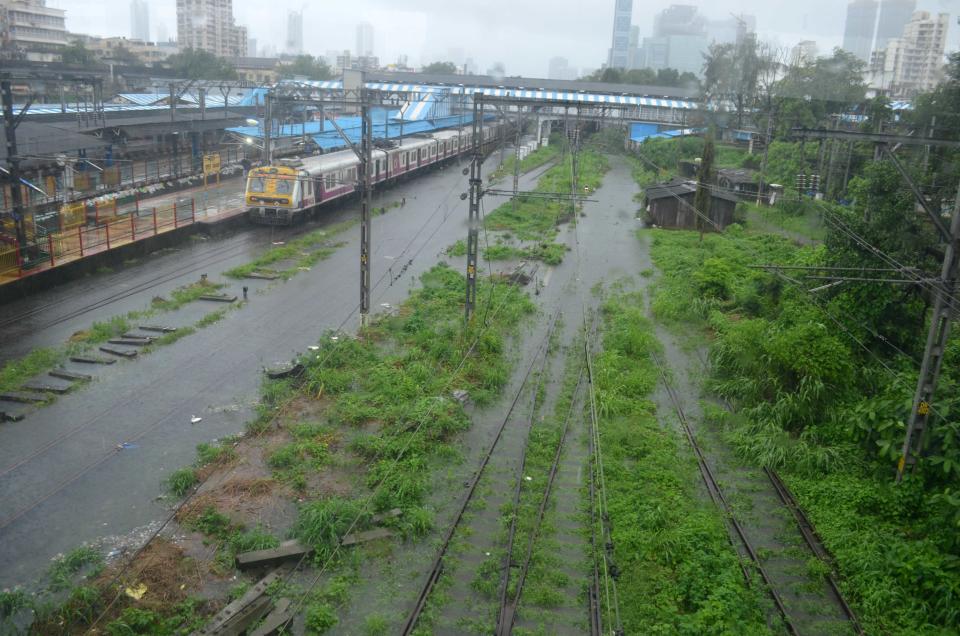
(426, 30)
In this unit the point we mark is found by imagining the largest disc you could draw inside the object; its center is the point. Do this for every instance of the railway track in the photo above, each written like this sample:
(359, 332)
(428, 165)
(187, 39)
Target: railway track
(717, 496)
(506, 615)
(437, 567)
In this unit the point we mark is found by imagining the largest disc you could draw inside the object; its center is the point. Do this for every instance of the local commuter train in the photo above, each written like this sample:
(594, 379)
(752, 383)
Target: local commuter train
(287, 191)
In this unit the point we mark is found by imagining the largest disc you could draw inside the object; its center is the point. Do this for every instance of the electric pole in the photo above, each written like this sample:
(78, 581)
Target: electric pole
(13, 161)
(267, 127)
(476, 191)
(936, 346)
(366, 162)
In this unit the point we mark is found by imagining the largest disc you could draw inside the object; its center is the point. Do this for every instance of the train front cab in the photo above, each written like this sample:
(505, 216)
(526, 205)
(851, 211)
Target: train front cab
(272, 195)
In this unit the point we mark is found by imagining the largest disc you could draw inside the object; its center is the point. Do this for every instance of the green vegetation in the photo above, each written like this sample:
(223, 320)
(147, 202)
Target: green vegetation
(549, 253)
(303, 251)
(534, 219)
(183, 479)
(677, 567)
(539, 157)
(308, 452)
(63, 570)
(826, 412)
(305, 65)
(196, 64)
(15, 372)
(457, 249)
(399, 377)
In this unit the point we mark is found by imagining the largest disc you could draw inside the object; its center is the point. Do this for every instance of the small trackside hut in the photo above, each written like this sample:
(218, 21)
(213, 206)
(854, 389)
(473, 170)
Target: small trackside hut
(670, 205)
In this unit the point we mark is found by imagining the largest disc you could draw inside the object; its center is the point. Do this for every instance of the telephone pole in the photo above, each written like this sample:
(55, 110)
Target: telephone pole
(937, 337)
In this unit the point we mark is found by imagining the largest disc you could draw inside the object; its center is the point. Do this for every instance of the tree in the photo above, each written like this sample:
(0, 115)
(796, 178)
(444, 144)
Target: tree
(645, 77)
(811, 91)
(77, 54)
(196, 64)
(701, 200)
(123, 55)
(730, 73)
(308, 66)
(440, 68)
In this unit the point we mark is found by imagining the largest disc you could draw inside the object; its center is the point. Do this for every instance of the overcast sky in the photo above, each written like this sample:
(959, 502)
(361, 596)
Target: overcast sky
(523, 34)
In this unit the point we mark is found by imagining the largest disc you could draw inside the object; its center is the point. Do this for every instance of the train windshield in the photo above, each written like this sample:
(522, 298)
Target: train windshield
(256, 184)
(284, 186)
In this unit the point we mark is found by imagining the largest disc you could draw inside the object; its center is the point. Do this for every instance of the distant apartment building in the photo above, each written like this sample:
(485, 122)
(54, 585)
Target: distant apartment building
(619, 55)
(912, 63)
(208, 25)
(295, 32)
(119, 50)
(259, 70)
(860, 27)
(30, 28)
(346, 60)
(139, 20)
(803, 53)
(559, 69)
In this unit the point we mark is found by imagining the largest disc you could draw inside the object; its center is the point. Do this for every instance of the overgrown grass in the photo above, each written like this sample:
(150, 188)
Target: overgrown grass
(535, 219)
(308, 452)
(399, 376)
(549, 253)
(303, 252)
(539, 157)
(678, 572)
(811, 404)
(15, 372)
(65, 568)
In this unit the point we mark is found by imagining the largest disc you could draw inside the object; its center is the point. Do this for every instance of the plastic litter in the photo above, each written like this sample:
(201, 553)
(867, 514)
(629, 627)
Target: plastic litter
(136, 593)
(194, 419)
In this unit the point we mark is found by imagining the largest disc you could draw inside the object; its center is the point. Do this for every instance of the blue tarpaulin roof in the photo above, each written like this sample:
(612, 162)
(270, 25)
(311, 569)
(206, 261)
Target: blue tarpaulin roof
(385, 126)
(640, 132)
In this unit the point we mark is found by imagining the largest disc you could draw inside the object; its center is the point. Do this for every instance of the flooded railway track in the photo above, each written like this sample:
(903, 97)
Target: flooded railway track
(736, 529)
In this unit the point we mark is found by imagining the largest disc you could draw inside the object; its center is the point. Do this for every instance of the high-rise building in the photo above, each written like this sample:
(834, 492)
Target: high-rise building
(30, 25)
(139, 20)
(731, 30)
(679, 40)
(858, 32)
(364, 39)
(559, 69)
(208, 25)
(912, 63)
(619, 56)
(894, 15)
(295, 32)
(251, 47)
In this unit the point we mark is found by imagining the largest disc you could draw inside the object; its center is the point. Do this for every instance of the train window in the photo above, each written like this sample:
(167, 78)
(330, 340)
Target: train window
(330, 180)
(284, 186)
(256, 185)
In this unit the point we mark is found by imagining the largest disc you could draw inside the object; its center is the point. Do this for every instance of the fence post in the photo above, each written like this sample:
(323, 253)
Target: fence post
(108, 235)
(80, 239)
(154, 220)
(50, 248)
(19, 262)
(133, 228)
(174, 215)
(136, 198)
(96, 212)
(193, 210)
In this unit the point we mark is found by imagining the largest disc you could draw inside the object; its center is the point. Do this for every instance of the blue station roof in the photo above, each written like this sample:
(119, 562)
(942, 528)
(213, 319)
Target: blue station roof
(641, 132)
(386, 125)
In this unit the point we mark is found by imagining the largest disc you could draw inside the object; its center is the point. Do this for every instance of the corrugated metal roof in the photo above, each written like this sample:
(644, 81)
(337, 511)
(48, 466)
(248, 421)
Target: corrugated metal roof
(143, 99)
(539, 95)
